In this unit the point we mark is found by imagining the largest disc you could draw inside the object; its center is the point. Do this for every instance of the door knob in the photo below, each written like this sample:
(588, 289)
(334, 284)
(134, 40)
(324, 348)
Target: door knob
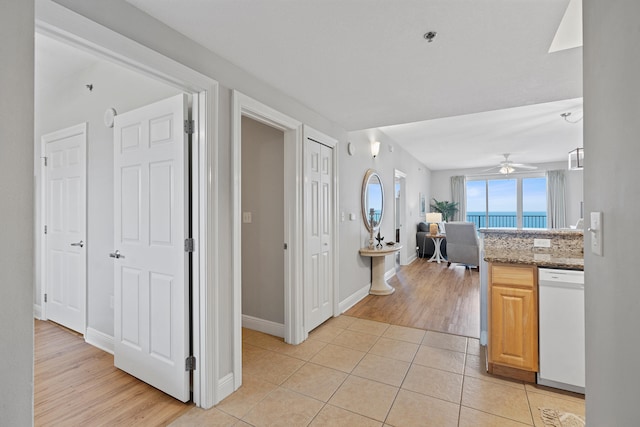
(116, 255)
(80, 243)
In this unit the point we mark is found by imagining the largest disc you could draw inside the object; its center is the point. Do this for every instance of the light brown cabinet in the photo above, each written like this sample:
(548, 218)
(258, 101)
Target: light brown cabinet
(513, 321)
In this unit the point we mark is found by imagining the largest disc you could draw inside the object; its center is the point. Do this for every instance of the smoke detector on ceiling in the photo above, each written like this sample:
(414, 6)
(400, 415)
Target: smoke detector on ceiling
(430, 35)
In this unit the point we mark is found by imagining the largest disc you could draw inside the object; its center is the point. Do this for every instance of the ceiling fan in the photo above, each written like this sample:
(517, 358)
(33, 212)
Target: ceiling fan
(506, 167)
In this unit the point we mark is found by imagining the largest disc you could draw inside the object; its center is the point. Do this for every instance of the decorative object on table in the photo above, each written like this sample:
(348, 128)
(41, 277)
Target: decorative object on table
(446, 208)
(433, 219)
(379, 239)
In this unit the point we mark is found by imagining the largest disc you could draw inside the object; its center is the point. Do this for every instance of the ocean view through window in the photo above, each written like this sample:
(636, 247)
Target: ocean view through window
(519, 202)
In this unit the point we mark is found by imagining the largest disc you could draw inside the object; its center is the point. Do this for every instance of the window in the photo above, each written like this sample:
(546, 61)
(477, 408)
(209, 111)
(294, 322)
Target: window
(519, 202)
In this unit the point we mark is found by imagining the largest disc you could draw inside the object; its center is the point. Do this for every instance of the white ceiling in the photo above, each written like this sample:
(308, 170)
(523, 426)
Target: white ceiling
(531, 134)
(365, 64)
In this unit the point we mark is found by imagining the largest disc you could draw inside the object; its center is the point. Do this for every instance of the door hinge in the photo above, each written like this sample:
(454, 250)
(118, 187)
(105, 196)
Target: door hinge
(189, 126)
(189, 245)
(45, 297)
(45, 229)
(45, 161)
(286, 246)
(190, 363)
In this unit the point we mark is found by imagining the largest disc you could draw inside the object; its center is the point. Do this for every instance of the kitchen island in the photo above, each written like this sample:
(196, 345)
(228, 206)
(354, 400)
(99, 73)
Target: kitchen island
(509, 292)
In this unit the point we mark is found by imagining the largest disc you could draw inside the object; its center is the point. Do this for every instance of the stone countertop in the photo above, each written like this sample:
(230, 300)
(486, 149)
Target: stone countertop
(565, 247)
(526, 232)
(548, 259)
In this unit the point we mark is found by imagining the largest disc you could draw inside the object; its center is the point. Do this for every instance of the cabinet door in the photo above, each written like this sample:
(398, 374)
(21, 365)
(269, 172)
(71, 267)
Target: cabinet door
(514, 327)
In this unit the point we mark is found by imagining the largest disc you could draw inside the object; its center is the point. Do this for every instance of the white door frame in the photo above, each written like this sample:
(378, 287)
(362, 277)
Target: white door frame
(293, 302)
(73, 29)
(66, 132)
(398, 174)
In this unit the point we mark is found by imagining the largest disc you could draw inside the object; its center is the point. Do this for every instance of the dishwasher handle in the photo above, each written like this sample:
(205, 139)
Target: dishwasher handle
(565, 276)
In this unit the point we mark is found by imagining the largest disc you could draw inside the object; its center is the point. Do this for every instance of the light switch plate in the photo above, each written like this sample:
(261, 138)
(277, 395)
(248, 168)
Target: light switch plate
(595, 228)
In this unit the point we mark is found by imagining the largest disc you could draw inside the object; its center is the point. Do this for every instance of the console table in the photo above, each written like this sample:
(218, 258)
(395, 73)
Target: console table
(379, 286)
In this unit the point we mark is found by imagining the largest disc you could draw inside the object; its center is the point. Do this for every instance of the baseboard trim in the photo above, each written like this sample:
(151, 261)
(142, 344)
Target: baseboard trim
(225, 387)
(354, 298)
(390, 273)
(412, 258)
(37, 311)
(261, 325)
(99, 339)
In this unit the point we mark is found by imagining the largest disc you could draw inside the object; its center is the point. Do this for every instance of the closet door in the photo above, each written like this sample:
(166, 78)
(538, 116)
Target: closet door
(318, 220)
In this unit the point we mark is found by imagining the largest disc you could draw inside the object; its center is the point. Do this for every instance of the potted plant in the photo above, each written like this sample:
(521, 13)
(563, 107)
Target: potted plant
(446, 208)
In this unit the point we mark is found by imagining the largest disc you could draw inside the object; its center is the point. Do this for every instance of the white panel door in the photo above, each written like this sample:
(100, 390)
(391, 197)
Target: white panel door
(66, 219)
(318, 289)
(151, 274)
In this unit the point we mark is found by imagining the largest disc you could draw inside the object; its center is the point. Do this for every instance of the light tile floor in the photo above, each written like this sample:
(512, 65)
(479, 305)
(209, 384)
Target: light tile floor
(354, 372)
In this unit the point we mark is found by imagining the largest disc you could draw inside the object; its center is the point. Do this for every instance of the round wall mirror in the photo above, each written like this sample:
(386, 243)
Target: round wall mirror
(372, 200)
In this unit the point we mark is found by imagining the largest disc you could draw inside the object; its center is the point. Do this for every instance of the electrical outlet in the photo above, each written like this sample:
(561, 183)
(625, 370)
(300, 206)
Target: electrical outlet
(246, 217)
(352, 217)
(541, 243)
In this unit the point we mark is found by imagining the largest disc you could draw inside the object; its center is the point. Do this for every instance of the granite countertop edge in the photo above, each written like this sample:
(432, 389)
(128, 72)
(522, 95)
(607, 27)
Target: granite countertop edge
(529, 259)
(532, 231)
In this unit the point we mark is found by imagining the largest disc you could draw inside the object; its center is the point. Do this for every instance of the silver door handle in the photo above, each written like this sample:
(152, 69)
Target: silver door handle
(80, 243)
(116, 255)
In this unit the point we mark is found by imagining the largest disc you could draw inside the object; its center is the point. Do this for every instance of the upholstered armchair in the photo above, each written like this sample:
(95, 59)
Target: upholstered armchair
(463, 245)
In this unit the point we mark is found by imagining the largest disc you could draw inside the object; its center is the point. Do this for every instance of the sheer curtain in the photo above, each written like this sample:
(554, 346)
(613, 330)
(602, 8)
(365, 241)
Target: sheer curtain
(458, 195)
(555, 199)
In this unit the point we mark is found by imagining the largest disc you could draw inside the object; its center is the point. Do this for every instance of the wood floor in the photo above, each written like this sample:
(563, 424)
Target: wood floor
(428, 296)
(76, 384)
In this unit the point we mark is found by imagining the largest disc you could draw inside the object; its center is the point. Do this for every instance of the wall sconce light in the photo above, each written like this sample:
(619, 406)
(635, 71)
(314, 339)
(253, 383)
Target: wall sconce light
(375, 148)
(576, 159)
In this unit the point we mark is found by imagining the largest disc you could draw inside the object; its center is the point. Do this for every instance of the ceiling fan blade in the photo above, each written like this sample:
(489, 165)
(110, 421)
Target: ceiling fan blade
(521, 166)
(492, 168)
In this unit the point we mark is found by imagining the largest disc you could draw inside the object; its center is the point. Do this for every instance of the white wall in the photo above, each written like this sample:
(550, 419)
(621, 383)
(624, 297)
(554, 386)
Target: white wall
(66, 103)
(611, 177)
(441, 185)
(262, 239)
(16, 227)
(354, 269)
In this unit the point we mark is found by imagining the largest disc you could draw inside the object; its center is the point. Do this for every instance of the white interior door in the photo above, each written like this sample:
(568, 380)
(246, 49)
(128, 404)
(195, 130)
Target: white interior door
(150, 262)
(66, 221)
(318, 206)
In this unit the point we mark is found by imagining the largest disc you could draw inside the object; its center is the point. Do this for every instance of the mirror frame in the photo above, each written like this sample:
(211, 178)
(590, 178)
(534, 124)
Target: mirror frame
(363, 199)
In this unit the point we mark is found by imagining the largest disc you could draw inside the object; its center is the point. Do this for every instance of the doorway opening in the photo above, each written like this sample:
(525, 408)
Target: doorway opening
(399, 213)
(77, 32)
(246, 107)
(262, 227)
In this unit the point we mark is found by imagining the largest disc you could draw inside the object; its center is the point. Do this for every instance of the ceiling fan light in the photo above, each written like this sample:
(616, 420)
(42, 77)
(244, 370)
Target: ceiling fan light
(506, 170)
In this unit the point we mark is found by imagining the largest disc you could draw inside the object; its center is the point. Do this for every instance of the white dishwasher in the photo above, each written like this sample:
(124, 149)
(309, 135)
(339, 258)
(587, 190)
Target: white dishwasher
(561, 329)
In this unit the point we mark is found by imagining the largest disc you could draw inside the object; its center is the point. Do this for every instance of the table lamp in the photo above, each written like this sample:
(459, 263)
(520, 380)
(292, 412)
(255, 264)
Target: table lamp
(433, 218)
